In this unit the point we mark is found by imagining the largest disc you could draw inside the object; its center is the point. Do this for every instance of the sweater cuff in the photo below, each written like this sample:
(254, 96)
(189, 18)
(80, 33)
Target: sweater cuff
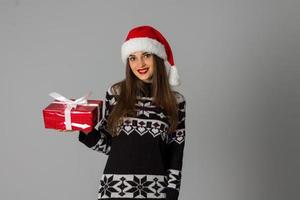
(89, 139)
(171, 194)
(83, 136)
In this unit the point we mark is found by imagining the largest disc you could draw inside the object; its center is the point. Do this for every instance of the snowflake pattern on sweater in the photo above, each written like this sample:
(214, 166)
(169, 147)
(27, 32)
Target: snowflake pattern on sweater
(144, 161)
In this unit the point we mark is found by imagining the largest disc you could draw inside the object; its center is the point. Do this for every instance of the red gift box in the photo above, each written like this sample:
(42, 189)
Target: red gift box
(70, 114)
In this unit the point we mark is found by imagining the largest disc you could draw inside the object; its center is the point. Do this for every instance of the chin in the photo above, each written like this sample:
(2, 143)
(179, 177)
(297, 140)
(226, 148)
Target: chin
(145, 79)
(142, 78)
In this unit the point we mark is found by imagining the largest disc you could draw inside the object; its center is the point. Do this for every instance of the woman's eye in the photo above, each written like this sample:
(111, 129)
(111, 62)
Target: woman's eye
(131, 58)
(147, 55)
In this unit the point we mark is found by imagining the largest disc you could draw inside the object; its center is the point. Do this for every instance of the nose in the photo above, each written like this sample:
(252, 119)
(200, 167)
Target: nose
(141, 62)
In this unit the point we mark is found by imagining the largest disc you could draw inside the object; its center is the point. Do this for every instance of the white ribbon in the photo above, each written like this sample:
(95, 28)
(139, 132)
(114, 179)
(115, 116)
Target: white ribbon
(72, 104)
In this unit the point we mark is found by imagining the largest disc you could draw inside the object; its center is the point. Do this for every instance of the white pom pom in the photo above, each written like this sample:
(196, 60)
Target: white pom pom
(174, 76)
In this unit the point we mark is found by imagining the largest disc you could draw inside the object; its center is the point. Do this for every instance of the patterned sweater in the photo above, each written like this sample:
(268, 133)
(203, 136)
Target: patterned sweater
(144, 162)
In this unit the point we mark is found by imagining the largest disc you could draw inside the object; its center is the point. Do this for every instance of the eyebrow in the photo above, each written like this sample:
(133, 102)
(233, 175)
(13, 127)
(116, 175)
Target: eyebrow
(142, 54)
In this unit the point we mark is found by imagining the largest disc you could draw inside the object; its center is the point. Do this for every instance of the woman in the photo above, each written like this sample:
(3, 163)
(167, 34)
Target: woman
(143, 128)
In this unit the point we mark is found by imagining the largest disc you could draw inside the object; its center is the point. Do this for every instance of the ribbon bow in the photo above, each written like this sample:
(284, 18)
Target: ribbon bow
(71, 104)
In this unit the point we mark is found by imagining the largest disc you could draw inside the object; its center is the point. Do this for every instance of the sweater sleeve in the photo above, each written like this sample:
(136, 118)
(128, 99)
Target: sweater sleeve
(175, 150)
(99, 139)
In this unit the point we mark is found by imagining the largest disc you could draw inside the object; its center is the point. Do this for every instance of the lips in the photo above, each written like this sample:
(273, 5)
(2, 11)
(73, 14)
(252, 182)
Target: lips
(143, 71)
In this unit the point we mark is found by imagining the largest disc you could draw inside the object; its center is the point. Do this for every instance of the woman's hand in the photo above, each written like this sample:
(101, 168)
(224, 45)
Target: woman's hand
(60, 130)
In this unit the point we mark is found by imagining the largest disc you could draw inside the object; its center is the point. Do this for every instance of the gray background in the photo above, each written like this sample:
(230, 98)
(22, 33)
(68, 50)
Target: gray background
(239, 63)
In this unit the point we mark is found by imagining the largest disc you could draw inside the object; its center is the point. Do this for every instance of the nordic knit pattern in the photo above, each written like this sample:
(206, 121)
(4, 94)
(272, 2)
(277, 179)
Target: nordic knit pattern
(144, 162)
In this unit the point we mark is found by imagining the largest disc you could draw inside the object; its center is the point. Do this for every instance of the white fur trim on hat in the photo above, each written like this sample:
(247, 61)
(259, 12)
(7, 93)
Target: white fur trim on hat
(142, 44)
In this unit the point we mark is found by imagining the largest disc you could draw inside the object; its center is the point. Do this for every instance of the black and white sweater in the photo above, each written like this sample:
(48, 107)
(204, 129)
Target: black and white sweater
(144, 162)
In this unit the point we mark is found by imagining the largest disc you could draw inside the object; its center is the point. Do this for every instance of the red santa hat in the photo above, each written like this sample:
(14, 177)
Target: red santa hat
(147, 38)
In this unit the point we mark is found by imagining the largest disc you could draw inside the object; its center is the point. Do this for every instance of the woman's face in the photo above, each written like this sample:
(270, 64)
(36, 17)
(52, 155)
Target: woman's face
(142, 65)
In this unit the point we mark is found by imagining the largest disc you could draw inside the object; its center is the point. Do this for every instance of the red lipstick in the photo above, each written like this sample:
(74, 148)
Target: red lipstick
(143, 71)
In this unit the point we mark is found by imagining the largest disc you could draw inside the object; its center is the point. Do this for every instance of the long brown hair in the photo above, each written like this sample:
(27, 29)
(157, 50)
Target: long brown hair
(162, 95)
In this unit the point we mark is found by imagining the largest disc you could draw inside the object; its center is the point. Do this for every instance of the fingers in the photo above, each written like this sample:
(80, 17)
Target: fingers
(61, 130)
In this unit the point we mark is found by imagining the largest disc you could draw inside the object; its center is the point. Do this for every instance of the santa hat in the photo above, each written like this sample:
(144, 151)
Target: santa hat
(147, 38)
